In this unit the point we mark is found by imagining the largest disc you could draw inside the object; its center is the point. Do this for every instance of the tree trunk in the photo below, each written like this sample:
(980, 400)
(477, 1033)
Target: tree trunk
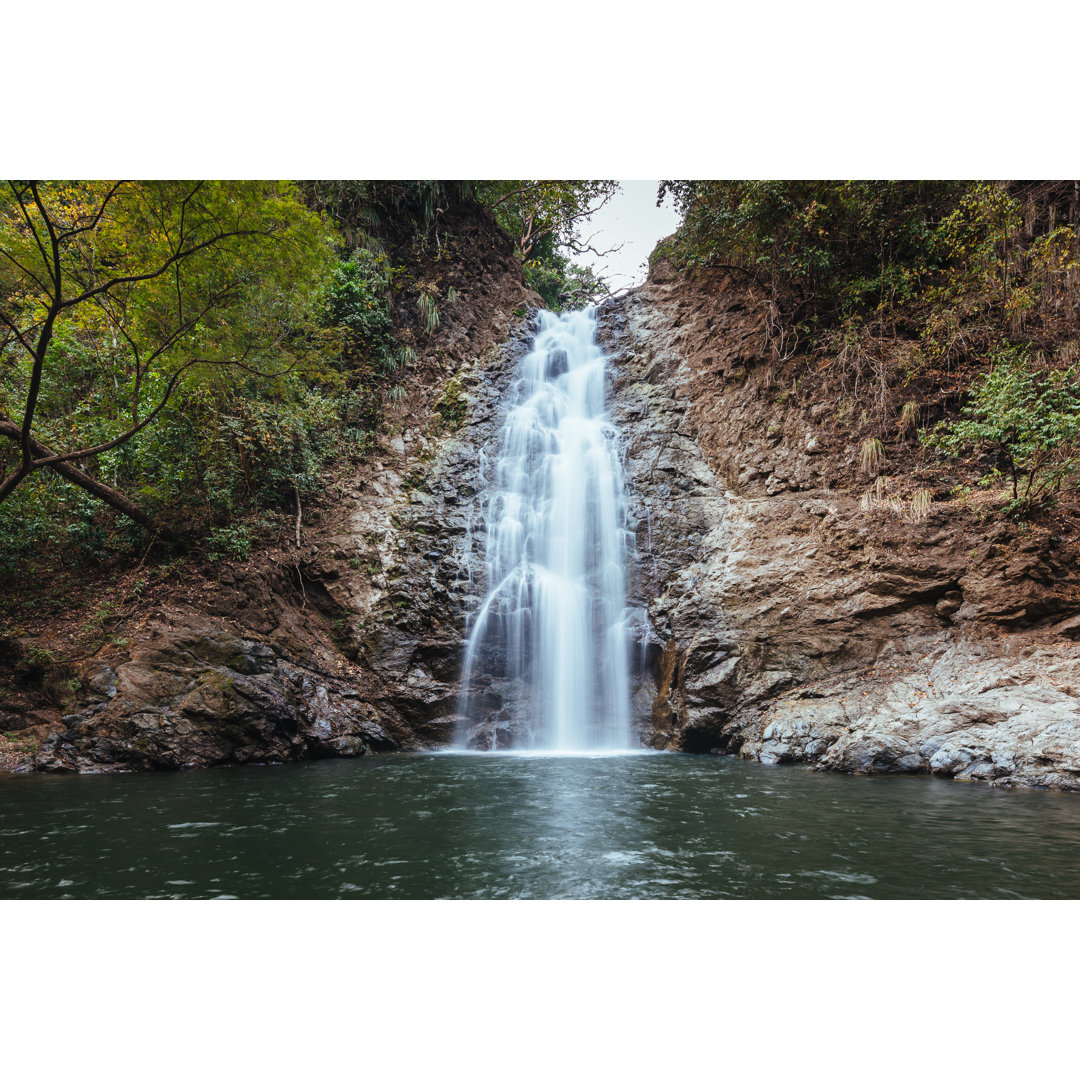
(121, 503)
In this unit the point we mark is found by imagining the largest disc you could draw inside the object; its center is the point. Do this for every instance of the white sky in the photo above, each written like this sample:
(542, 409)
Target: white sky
(630, 218)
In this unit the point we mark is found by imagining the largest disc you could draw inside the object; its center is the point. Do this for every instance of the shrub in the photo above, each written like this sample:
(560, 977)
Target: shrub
(1029, 418)
(230, 542)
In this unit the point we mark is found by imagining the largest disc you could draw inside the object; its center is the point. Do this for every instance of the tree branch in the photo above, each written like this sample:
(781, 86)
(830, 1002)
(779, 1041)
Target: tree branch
(30, 225)
(17, 332)
(46, 331)
(28, 272)
(150, 275)
(13, 479)
(69, 233)
(90, 451)
(508, 195)
(106, 494)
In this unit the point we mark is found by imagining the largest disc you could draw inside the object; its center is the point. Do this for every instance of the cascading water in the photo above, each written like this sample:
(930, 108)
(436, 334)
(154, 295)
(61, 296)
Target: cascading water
(553, 621)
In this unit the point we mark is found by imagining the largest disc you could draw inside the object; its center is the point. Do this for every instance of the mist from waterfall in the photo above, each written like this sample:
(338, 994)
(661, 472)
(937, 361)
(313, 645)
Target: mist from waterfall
(553, 621)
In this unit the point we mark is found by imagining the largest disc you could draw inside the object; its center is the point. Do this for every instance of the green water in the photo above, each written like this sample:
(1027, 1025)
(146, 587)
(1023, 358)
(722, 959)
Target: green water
(497, 826)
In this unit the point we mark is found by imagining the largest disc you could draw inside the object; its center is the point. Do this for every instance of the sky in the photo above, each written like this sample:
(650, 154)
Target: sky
(630, 218)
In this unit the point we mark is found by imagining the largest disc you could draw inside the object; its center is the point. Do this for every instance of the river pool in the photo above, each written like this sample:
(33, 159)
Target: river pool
(493, 826)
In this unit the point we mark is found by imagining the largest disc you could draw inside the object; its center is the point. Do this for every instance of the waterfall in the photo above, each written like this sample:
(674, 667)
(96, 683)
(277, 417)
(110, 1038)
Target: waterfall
(551, 632)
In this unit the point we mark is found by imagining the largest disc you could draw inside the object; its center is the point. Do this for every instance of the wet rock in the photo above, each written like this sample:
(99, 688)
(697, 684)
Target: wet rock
(194, 695)
(349, 645)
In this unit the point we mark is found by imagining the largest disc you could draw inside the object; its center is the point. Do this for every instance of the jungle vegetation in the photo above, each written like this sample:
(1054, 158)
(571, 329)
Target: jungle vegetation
(918, 300)
(182, 361)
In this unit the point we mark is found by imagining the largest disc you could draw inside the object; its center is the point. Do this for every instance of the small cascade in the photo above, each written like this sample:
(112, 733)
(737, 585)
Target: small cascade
(553, 622)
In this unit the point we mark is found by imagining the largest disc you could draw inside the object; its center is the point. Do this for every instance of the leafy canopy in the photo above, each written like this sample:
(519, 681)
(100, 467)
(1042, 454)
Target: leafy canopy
(131, 313)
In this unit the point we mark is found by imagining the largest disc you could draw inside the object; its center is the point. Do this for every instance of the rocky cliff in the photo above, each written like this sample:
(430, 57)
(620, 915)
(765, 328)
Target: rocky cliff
(347, 643)
(778, 617)
(788, 623)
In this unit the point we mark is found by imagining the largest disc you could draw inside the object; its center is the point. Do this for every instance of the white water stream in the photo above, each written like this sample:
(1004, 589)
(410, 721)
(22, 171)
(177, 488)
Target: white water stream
(554, 614)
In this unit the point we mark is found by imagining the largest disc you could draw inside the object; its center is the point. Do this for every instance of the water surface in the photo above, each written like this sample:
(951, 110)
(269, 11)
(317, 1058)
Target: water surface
(500, 825)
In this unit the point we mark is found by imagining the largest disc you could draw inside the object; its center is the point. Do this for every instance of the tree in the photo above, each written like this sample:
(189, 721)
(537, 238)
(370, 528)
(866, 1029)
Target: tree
(531, 210)
(145, 284)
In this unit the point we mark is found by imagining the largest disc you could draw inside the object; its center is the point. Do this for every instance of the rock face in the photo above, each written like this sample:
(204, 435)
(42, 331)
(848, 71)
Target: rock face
(193, 693)
(417, 535)
(351, 646)
(787, 623)
(346, 645)
(777, 618)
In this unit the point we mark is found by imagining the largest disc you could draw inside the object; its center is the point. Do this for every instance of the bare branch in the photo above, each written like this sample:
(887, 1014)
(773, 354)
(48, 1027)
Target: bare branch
(30, 226)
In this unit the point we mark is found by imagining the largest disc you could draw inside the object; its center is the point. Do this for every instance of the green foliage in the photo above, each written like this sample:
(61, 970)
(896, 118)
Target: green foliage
(906, 288)
(356, 298)
(530, 210)
(839, 247)
(285, 369)
(27, 523)
(1030, 418)
(545, 219)
(168, 338)
(229, 542)
(563, 284)
(974, 234)
(367, 212)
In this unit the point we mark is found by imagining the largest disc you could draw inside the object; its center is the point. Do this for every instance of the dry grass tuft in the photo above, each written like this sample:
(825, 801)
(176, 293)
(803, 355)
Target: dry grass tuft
(872, 456)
